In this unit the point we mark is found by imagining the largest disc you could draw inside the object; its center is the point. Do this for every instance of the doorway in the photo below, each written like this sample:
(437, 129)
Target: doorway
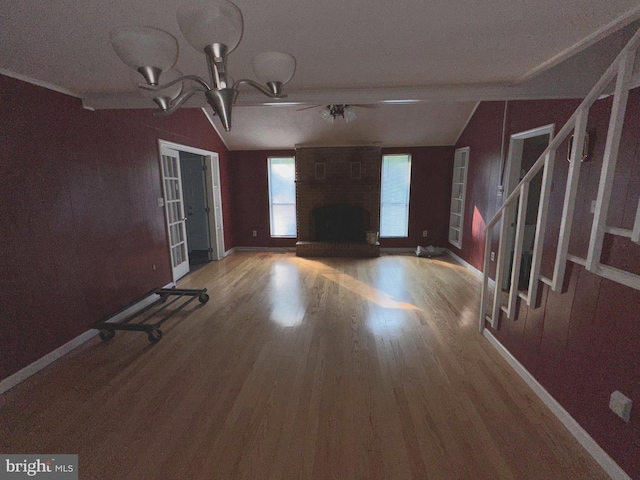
(196, 207)
(193, 206)
(524, 150)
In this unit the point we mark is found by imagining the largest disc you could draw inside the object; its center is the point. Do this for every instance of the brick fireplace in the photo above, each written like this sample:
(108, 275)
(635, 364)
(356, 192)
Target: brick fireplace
(334, 186)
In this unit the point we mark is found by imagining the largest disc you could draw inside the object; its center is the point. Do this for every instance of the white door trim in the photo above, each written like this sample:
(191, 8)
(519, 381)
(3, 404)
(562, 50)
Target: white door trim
(216, 227)
(516, 144)
(214, 200)
(514, 164)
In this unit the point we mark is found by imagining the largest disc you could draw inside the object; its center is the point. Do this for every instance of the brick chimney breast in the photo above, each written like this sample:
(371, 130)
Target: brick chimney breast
(338, 186)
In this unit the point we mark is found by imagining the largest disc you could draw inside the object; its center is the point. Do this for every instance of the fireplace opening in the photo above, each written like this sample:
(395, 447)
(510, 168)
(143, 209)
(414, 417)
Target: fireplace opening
(340, 222)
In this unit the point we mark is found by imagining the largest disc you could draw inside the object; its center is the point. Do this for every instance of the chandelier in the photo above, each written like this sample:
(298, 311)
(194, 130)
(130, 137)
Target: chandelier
(331, 112)
(213, 27)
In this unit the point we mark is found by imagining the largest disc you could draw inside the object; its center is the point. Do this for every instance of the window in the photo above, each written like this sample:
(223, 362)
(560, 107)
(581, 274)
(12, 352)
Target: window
(282, 196)
(394, 196)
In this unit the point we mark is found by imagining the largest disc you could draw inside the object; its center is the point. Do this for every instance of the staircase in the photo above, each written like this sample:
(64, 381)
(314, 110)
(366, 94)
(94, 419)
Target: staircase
(620, 71)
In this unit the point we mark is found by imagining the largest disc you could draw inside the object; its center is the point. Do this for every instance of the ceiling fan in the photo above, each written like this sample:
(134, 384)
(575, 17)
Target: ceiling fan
(332, 112)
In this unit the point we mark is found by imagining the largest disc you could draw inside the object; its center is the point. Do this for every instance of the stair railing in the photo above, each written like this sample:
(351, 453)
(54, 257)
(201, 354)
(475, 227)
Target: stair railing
(622, 71)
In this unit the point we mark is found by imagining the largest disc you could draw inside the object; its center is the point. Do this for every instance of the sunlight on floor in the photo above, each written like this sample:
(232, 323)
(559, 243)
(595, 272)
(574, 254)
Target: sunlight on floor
(367, 292)
(287, 308)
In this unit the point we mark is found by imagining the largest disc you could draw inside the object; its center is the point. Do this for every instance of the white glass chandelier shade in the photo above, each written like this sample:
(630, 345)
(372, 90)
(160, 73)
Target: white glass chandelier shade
(172, 92)
(205, 22)
(141, 46)
(325, 113)
(274, 67)
(349, 114)
(213, 27)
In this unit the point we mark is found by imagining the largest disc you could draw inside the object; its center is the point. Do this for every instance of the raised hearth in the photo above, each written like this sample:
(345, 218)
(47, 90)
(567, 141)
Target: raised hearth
(337, 249)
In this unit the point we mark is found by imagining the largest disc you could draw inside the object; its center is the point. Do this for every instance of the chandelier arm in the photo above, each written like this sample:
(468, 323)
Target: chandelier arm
(257, 86)
(193, 78)
(180, 99)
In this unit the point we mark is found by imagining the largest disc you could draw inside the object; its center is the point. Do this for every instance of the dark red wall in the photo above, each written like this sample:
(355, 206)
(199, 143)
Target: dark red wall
(583, 344)
(428, 210)
(250, 187)
(80, 228)
(430, 196)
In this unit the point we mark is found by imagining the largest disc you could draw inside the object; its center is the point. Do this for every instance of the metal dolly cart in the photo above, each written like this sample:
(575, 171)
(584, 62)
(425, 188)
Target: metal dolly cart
(108, 330)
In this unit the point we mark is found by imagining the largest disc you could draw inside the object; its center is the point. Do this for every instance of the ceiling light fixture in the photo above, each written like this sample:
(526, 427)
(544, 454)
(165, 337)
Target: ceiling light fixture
(331, 112)
(213, 27)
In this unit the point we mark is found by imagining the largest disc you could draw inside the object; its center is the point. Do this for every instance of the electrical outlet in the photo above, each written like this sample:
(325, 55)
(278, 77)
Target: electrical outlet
(621, 405)
(255, 233)
(153, 267)
(161, 202)
(424, 233)
(593, 206)
(493, 256)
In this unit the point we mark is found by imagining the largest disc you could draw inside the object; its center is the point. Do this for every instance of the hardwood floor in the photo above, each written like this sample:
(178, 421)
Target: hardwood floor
(300, 368)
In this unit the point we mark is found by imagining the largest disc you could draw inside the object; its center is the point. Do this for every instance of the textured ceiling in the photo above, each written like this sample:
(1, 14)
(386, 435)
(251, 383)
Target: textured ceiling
(447, 54)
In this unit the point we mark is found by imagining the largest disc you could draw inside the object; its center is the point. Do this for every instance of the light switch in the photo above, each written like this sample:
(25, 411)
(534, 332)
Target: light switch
(621, 405)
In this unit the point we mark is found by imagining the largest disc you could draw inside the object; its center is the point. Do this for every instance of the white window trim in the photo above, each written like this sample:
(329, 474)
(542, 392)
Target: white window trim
(408, 194)
(270, 199)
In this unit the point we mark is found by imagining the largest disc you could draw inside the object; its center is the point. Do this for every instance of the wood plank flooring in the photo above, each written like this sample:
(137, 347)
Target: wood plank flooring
(300, 369)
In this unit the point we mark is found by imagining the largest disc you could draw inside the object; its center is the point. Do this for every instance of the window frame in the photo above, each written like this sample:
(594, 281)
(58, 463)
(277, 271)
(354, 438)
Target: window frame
(408, 199)
(271, 204)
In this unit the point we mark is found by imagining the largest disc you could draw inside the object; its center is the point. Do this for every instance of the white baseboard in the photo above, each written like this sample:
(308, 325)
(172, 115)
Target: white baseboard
(33, 368)
(599, 455)
(464, 263)
(470, 267)
(229, 252)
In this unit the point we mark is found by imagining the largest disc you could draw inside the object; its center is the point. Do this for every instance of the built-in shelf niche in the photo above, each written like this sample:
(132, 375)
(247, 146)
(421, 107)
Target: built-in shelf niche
(458, 193)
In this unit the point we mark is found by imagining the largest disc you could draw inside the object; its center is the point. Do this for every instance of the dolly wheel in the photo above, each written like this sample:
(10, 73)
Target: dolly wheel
(155, 335)
(203, 297)
(107, 335)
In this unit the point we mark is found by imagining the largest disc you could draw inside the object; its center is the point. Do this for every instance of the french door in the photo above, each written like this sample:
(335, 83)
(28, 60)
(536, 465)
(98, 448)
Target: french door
(174, 208)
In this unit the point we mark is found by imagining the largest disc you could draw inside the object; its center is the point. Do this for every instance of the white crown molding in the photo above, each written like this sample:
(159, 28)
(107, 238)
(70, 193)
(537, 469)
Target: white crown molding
(39, 83)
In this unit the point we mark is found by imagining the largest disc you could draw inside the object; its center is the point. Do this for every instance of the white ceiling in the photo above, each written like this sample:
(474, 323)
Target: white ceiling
(446, 54)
